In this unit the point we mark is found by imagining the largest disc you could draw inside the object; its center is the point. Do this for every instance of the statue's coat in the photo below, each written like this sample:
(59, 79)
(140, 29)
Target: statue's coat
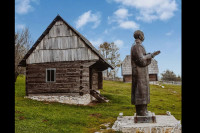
(140, 93)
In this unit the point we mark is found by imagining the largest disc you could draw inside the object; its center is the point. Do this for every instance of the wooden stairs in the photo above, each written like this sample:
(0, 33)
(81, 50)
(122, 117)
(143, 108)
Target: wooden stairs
(98, 96)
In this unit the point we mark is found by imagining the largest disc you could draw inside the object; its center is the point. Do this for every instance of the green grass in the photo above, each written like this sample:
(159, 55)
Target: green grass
(41, 117)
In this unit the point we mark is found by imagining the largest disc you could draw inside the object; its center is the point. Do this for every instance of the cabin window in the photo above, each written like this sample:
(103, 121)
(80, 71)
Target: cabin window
(50, 75)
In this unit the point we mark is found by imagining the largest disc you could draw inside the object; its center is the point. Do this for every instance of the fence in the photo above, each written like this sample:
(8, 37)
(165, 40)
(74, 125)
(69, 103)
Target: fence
(171, 82)
(113, 79)
(150, 82)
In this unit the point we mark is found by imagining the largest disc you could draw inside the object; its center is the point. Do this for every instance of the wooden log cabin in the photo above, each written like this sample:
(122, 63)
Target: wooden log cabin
(63, 66)
(127, 72)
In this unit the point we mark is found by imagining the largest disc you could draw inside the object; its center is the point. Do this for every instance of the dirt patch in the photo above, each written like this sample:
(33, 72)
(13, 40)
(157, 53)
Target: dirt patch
(93, 103)
(21, 118)
(97, 115)
(44, 120)
(17, 112)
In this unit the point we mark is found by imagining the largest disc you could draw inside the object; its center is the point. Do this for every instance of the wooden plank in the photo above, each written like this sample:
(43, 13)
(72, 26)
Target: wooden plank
(52, 32)
(54, 91)
(55, 94)
(62, 65)
(59, 29)
(45, 42)
(98, 96)
(26, 83)
(81, 44)
(40, 56)
(49, 85)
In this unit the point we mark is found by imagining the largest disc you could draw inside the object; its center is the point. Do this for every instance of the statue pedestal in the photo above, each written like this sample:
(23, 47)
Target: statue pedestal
(150, 118)
(164, 124)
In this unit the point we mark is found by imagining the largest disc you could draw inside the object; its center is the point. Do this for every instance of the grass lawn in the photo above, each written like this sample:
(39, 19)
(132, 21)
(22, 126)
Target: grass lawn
(43, 117)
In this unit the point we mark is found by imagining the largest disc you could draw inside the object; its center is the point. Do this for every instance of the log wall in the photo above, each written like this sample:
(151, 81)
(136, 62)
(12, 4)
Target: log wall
(71, 77)
(128, 78)
(153, 77)
(94, 79)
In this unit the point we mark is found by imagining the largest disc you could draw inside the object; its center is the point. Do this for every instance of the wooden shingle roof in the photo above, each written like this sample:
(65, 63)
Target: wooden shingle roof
(58, 18)
(126, 66)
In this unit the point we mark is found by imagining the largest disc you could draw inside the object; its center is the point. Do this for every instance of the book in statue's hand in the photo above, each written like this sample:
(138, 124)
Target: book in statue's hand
(155, 53)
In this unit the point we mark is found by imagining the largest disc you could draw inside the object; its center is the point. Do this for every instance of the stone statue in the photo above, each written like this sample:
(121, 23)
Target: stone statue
(140, 93)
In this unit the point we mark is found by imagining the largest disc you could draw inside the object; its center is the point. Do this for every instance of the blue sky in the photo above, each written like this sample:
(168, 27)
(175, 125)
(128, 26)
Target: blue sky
(112, 21)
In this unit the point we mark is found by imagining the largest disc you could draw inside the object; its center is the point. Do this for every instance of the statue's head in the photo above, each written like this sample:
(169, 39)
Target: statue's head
(138, 34)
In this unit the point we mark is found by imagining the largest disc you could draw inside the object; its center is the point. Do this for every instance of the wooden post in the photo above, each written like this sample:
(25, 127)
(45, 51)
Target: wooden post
(90, 77)
(26, 80)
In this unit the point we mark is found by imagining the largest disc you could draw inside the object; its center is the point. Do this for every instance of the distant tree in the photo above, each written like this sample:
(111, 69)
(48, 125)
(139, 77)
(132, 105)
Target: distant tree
(178, 78)
(114, 59)
(168, 76)
(22, 45)
(111, 53)
(105, 49)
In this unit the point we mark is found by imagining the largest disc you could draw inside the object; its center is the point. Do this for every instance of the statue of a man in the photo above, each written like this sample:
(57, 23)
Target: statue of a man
(140, 93)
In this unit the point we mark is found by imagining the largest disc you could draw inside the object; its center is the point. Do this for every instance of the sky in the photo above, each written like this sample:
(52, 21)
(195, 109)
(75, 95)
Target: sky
(112, 21)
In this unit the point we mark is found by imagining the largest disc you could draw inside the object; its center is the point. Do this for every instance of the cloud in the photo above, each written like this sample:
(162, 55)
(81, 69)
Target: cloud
(96, 42)
(122, 13)
(169, 33)
(24, 6)
(128, 25)
(121, 16)
(150, 10)
(20, 26)
(119, 43)
(88, 17)
(99, 41)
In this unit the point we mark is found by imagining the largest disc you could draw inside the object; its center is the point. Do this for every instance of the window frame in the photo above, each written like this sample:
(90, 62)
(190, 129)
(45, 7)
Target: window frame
(50, 75)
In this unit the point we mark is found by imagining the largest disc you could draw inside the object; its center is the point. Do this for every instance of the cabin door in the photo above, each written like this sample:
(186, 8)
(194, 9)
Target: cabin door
(100, 80)
(90, 78)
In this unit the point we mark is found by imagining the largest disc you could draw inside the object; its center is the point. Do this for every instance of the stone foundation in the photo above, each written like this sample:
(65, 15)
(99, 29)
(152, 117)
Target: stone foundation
(65, 98)
(164, 124)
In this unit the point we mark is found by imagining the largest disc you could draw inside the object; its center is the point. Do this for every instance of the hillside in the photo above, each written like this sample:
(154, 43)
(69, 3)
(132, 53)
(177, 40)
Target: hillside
(42, 117)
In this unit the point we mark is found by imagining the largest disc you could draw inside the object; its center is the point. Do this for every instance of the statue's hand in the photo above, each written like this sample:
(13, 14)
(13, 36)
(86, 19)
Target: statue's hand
(155, 53)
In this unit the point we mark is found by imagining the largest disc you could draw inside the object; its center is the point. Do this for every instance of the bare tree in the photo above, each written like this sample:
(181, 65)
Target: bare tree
(114, 59)
(105, 49)
(110, 52)
(22, 45)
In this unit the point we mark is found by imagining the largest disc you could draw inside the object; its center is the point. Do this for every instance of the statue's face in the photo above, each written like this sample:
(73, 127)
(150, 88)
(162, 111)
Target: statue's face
(138, 41)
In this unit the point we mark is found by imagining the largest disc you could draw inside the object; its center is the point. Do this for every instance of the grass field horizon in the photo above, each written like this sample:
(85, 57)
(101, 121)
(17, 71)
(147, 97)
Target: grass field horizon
(44, 117)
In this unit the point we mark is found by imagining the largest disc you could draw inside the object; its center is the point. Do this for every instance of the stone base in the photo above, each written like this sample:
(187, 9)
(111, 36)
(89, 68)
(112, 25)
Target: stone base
(68, 99)
(164, 124)
(145, 119)
(150, 118)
